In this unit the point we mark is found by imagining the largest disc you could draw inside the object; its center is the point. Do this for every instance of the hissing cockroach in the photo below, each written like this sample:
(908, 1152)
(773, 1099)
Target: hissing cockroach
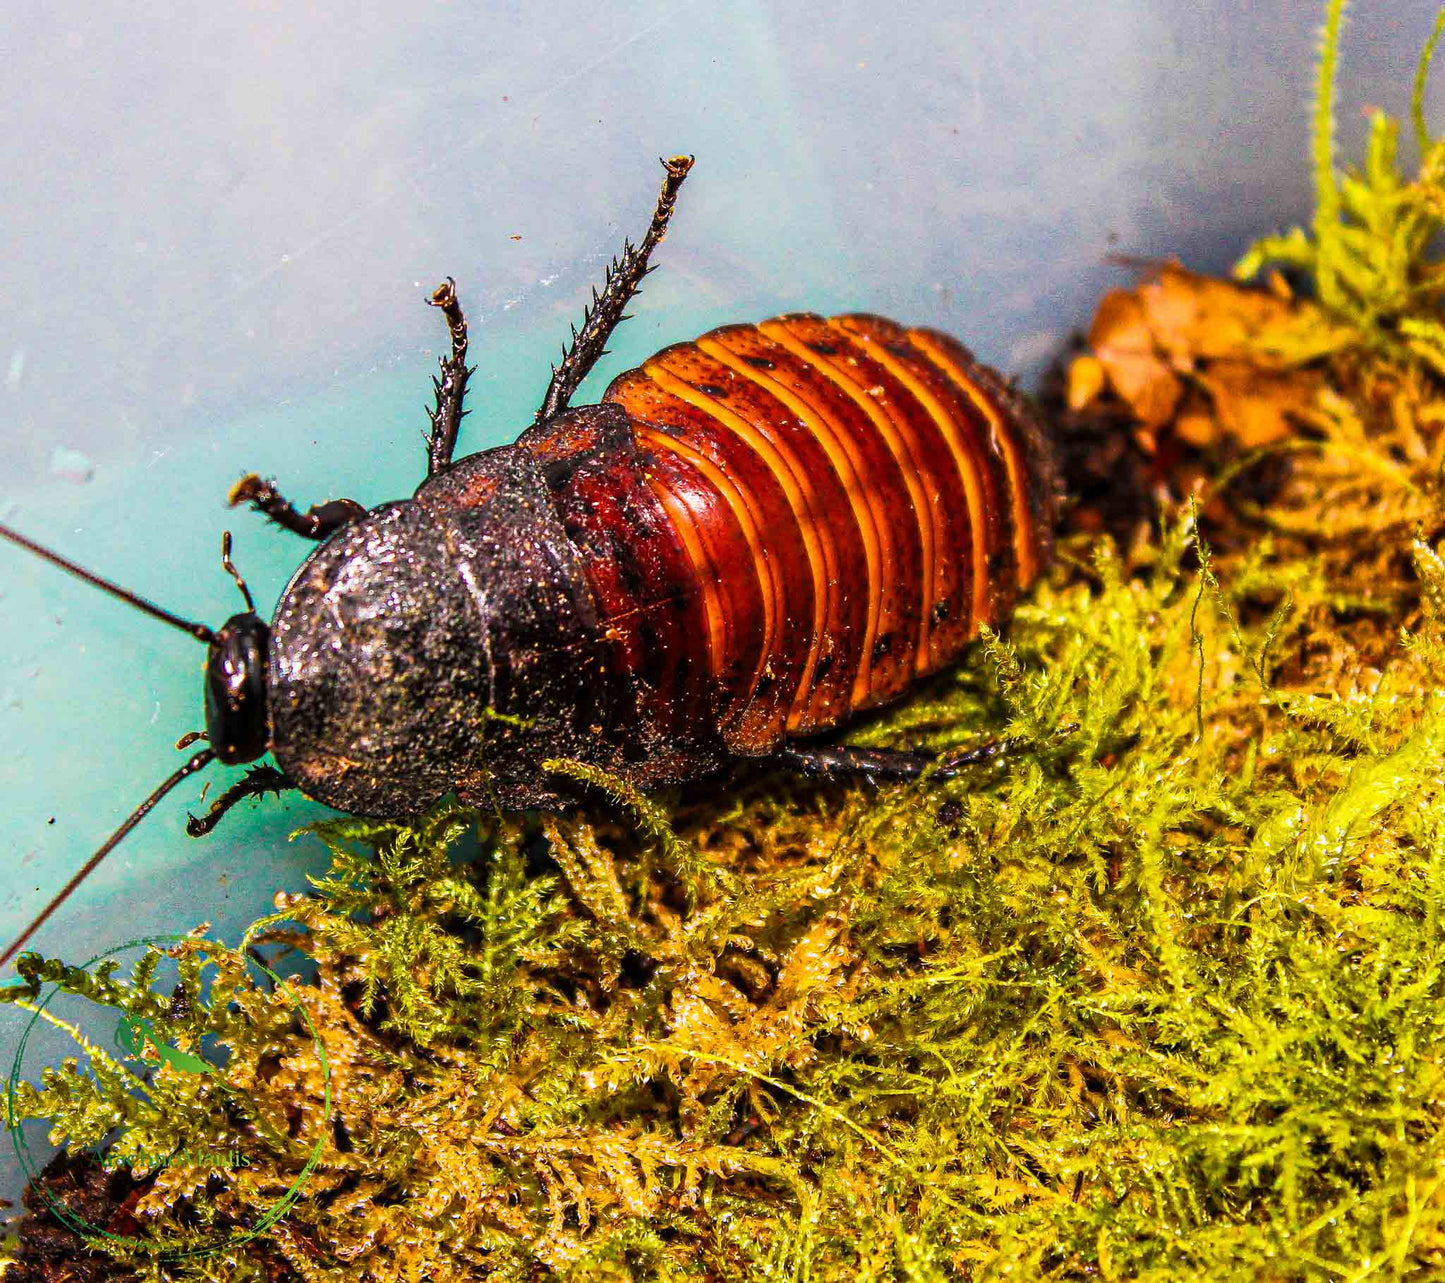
(753, 536)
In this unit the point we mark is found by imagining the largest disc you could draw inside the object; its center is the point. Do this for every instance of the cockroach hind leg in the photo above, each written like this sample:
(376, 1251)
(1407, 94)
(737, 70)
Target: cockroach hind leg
(606, 313)
(954, 763)
(450, 387)
(839, 760)
(833, 761)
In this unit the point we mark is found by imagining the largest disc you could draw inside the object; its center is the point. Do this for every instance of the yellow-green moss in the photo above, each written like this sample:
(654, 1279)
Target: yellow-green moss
(1139, 1000)
(1367, 250)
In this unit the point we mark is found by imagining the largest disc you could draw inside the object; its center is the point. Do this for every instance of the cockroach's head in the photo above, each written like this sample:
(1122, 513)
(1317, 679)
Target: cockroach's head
(238, 724)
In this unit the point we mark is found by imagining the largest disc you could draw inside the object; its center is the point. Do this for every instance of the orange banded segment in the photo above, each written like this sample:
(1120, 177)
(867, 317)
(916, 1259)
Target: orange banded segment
(705, 573)
(887, 544)
(852, 500)
(817, 467)
(644, 583)
(958, 365)
(971, 457)
(692, 375)
(809, 338)
(708, 506)
(736, 355)
(740, 513)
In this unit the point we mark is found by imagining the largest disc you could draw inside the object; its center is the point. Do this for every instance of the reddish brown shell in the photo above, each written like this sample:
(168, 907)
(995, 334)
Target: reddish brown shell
(850, 500)
(753, 536)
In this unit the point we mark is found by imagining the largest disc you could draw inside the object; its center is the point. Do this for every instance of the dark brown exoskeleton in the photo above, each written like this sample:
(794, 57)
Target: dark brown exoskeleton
(752, 536)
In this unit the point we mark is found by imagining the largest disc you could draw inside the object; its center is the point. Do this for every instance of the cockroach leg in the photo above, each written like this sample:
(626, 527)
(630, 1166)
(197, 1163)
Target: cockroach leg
(451, 387)
(258, 780)
(953, 764)
(623, 277)
(835, 760)
(319, 522)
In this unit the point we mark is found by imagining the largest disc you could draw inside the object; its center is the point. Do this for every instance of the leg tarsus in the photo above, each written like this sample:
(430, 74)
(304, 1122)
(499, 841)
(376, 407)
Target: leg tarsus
(319, 522)
(451, 387)
(952, 764)
(258, 780)
(623, 277)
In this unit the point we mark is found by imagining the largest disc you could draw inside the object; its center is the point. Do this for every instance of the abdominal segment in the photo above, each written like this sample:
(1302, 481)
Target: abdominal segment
(845, 503)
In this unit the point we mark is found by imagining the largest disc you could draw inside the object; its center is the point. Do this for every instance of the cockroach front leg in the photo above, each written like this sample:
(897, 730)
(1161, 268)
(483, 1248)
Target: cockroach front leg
(623, 277)
(451, 387)
(318, 522)
(259, 780)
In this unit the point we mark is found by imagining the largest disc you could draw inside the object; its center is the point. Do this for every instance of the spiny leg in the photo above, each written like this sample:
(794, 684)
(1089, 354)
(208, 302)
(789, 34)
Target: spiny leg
(451, 387)
(835, 760)
(623, 278)
(318, 522)
(258, 780)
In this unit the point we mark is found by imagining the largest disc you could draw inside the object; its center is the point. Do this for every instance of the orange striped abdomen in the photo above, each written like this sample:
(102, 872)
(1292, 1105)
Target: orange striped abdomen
(852, 500)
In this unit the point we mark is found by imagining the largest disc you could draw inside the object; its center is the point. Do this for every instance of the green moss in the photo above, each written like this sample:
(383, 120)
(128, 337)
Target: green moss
(1367, 253)
(1139, 1000)
(1159, 992)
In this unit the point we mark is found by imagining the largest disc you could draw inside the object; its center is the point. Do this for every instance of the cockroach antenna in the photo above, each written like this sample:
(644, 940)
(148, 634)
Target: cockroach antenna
(203, 758)
(201, 633)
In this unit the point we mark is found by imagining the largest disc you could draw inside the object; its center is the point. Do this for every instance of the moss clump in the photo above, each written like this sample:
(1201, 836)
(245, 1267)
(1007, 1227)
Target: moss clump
(1367, 250)
(1161, 994)
(1158, 993)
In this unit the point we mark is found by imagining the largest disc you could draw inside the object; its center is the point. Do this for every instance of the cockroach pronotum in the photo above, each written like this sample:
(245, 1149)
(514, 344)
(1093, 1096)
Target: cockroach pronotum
(753, 536)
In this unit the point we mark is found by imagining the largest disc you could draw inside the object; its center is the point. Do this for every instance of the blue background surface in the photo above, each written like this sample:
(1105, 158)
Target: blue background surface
(220, 223)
